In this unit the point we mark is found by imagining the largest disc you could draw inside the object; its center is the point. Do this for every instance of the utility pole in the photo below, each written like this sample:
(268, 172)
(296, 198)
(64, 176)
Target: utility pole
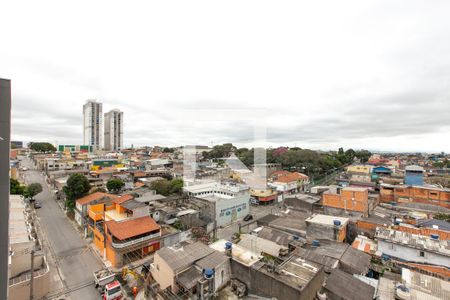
(32, 274)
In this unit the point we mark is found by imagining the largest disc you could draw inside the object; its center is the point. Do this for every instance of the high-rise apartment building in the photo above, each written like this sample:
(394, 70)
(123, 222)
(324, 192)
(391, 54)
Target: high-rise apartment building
(114, 130)
(93, 124)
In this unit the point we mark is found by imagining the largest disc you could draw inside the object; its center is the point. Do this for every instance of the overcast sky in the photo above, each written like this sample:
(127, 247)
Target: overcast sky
(322, 74)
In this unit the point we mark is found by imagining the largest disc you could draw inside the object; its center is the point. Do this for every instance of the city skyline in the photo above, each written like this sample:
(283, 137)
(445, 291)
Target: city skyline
(373, 77)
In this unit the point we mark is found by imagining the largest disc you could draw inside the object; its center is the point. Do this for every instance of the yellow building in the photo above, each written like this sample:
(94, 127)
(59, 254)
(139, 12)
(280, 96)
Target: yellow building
(364, 169)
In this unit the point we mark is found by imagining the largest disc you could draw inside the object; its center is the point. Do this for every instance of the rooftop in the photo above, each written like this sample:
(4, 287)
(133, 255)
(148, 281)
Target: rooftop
(216, 188)
(422, 286)
(413, 240)
(326, 220)
(179, 258)
(189, 278)
(18, 230)
(133, 204)
(97, 196)
(295, 272)
(132, 227)
(212, 260)
(123, 198)
(261, 246)
(346, 286)
(238, 253)
(275, 235)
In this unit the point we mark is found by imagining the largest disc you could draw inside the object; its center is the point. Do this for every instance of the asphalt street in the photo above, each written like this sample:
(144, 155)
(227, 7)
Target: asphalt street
(76, 260)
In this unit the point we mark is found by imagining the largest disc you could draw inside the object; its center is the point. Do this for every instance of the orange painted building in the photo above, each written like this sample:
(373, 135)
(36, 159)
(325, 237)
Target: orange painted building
(128, 238)
(405, 194)
(349, 199)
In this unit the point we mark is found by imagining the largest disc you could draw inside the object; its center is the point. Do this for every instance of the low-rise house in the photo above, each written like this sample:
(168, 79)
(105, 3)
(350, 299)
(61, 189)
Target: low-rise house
(348, 199)
(295, 278)
(170, 262)
(83, 204)
(287, 183)
(293, 222)
(414, 175)
(415, 194)
(360, 169)
(343, 286)
(415, 285)
(332, 255)
(123, 231)
(130, 239)
(302, 202)
(223, 203)
(326, 227)
(413, 248)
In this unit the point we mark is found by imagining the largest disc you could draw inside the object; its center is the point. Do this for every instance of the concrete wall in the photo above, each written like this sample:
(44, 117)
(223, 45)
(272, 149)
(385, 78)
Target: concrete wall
(219, 280)
(230, 210)
(412, 254)
(22, 263)
(162, 273)
(316, 231)
(348, 200)
(21, 290)
(172, 239)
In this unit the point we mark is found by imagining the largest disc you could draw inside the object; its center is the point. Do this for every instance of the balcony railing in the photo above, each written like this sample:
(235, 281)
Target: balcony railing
(131, 242)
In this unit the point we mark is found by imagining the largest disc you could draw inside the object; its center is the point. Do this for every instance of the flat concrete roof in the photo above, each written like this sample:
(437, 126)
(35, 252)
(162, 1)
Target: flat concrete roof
(238, 253)
(18, 230)
(326, 219)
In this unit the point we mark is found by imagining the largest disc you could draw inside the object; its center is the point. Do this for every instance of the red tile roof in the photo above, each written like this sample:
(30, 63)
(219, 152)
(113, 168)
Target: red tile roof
(289, 177)
(123, 198)
(139, 184)
(95, 197)
(132, 227)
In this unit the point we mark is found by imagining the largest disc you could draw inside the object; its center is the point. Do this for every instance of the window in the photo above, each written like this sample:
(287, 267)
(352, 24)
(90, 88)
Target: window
(157, 267)
(422, 254)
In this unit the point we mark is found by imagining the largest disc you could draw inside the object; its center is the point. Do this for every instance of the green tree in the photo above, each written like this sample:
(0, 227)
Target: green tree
(176, 185)
(161, 186)
(77, 186)
(219, 151)
(15, 188)
(166, 187)
(363, 155)
(115, 185)
(41, 147)
(32, 190)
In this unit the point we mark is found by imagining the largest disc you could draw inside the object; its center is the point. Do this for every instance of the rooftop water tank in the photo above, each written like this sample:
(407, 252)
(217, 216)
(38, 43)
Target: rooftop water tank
(315, 243)
(435, 236)
(228, 245)
(208, 273)
(337, 223)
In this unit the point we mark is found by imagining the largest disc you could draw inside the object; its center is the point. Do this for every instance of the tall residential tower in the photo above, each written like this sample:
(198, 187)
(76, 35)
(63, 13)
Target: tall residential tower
(93, 124)
(114, 130)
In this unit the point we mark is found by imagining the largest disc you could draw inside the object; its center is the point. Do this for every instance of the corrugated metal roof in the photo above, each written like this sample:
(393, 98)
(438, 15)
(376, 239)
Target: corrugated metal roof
(183, 257)
(413, 240)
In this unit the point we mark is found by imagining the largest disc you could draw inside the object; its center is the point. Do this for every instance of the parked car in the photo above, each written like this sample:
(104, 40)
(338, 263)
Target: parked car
(37, 204)
(248, 218)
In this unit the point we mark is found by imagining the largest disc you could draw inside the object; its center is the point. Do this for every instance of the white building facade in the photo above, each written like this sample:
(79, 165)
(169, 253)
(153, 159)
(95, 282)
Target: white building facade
(413, 248)
(226, 202)
(93, 124)
(114, 130)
